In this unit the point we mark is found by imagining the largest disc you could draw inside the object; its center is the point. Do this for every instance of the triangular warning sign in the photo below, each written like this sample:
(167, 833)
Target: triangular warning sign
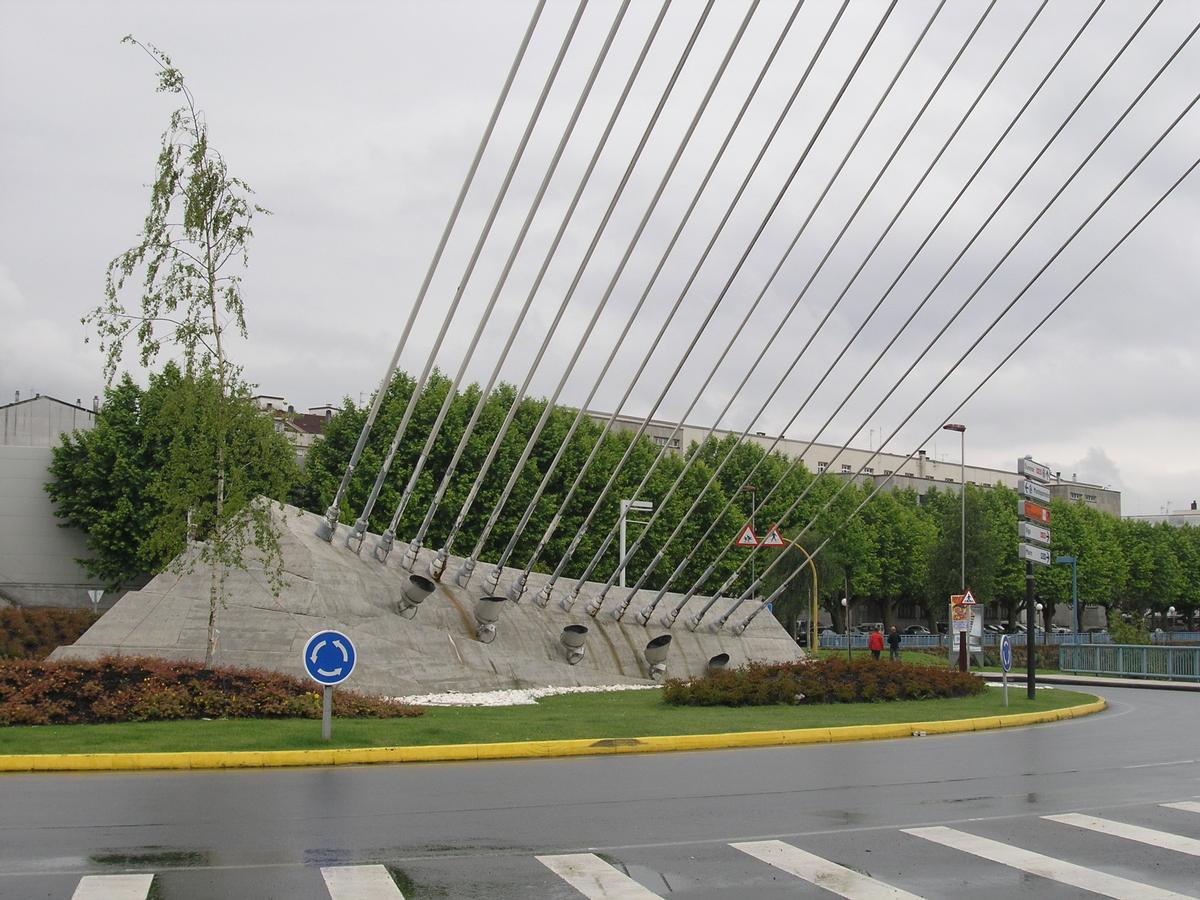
(773, 538)
(968, 600)
(746, 537)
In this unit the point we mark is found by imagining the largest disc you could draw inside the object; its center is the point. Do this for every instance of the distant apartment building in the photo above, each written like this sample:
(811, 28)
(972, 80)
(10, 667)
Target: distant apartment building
(1178, 518)
(300, 428)
(920, 473)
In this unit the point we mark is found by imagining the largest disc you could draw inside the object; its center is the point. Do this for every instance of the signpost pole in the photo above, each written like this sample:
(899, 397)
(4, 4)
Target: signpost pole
(1030, 627)
(327, 714)
(962, 651)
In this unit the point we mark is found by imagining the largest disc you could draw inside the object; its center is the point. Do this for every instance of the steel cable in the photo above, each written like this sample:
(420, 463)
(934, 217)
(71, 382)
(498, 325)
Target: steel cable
(355, 538)
(741, 626)
(725, 617)
(327, 529)
(996, 209)
(438, 565)
(383, 547)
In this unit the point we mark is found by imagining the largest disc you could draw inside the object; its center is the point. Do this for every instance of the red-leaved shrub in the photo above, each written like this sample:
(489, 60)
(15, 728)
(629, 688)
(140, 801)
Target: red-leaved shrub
(141, 689)
(36, 633)
(829, 680)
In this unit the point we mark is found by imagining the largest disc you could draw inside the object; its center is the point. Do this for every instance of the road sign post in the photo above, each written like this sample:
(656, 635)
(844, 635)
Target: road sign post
(329, 658)
(1005, 663)
(1033, 487)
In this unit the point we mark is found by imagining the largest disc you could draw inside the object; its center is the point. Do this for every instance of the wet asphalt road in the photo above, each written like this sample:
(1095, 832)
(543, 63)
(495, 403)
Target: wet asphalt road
(474, 829)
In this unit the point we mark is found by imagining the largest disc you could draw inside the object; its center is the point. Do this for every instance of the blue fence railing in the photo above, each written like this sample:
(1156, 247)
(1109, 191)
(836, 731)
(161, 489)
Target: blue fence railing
(1132, 661)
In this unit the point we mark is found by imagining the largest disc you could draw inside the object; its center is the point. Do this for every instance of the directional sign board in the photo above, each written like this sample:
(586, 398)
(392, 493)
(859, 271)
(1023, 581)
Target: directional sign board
(1005, 654)
(1033, 490)
(773, 538)
(746, 538)
(1036, 471)
(329, 657)
(1033, 512)
(1034, 554)
(1031, 531)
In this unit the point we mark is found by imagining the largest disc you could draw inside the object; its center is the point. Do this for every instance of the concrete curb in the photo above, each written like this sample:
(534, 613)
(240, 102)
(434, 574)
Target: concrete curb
(252, 759)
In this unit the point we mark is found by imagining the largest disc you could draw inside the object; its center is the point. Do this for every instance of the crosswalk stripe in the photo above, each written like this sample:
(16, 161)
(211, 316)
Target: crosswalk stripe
(821, 872)
(1044, 866)
(594, 878)
(113, 887)
(1154, 838)
(1185, 805)
(360, 883)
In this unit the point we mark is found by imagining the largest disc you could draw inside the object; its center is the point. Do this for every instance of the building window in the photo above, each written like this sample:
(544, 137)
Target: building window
(950, 480)
(1076, 495)
(845, 468)
(887, 471)
(1090, 498)
(821, 467)
(868, 471)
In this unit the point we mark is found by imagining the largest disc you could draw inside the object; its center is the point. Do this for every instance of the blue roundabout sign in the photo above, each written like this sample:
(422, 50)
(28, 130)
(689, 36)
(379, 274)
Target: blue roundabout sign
(329, 657)
(1005, 654)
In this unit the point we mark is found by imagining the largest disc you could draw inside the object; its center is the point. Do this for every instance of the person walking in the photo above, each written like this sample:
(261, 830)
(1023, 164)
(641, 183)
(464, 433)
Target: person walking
(894, 644)
(875, 643)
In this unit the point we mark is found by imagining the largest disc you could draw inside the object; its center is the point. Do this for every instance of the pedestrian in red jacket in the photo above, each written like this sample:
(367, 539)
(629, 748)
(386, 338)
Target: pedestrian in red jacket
(875, 643)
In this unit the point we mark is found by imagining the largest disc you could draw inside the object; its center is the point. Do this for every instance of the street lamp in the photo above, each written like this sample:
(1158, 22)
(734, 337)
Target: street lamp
(1072, 562)
(1039, 609)
(962, 455)
(1170, 622)
(846, 618)
(626, 506)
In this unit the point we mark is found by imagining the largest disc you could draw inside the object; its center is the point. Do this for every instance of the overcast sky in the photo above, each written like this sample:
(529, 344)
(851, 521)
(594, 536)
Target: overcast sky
(355, 123)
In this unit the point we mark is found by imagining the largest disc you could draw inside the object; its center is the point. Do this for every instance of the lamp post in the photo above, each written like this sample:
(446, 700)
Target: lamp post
(1170, 622)
(1072, 562)
(962, 455)
(812, 606)
(846, 618)
(626, 506)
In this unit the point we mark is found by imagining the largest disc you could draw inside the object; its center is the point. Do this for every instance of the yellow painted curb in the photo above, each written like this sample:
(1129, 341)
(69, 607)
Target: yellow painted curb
(111, 762)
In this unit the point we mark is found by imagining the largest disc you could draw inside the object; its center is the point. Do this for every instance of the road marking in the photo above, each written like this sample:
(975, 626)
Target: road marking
(113, 887)
(1163, 839)
(821, 872)
(1044, 866)
(360, 883)
(594, 878)
(1185, 805)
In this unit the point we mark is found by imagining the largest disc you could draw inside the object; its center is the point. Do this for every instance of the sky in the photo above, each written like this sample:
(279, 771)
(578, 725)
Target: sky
(356, 123)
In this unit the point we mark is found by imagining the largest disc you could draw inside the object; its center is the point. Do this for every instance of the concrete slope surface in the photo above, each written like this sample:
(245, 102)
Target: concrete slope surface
(328, 586)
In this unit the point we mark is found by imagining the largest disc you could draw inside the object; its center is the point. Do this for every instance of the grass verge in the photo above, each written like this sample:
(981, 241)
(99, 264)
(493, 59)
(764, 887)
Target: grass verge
(613, 715)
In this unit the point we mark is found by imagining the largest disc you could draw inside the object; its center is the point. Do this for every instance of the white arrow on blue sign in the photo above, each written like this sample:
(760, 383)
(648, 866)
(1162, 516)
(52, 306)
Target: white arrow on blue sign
(1005, 654)
(329, 657)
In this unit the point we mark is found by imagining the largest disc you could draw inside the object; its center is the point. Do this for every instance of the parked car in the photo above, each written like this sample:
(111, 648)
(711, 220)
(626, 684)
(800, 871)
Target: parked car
(868, 627)
(1059, 629)
(993, 628)
(916, 629)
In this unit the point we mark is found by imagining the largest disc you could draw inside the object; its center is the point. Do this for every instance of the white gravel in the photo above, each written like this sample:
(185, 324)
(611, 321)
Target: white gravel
(515, 697)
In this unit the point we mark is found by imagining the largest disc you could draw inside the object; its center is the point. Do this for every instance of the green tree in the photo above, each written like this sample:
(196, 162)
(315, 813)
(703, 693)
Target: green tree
(194, 240)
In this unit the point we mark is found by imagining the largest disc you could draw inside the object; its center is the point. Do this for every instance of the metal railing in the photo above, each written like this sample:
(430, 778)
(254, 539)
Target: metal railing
(1132, 661)
(990, 639)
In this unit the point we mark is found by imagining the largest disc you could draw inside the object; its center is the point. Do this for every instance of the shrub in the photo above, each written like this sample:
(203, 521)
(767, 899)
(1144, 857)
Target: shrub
(36, 633)
(829, 680)
(133, 689)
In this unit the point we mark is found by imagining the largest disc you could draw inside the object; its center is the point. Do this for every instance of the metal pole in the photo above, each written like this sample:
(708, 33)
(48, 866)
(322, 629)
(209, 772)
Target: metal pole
(624, 513)
(963, 488)
(327, 714)
(1030, 625)
(1075, 600)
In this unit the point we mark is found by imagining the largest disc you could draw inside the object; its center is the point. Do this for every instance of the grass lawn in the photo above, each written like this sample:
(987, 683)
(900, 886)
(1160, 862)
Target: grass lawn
(612, 715)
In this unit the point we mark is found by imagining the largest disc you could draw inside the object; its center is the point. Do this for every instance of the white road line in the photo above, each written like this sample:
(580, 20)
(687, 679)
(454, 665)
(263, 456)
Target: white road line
(594, 878)
(360, 883)
(1044, 866)
(821, 872)
(1185, 805)
(113, 887)
(1163, 839)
